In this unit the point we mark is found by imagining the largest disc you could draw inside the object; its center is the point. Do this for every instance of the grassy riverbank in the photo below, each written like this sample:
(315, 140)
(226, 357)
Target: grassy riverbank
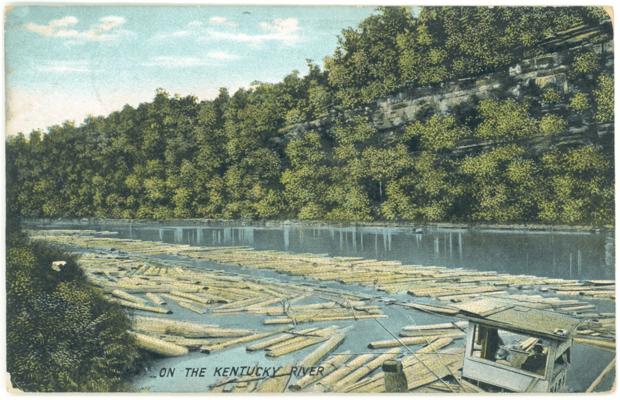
(62, 336)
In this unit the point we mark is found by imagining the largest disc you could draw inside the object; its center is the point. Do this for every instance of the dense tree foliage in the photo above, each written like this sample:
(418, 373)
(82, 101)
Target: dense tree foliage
(240, 155)
(61, 334)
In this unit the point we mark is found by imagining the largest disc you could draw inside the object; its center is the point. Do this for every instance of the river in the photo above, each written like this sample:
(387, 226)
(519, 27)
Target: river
(569, 255)
(557, 254)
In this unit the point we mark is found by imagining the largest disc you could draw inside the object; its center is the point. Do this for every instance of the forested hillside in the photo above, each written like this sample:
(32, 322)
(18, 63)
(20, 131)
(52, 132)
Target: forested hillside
(233, 156)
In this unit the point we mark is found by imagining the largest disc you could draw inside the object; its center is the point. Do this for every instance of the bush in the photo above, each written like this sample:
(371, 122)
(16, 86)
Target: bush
(505, 119)
(551, 96)
(579, 102)
(62, 335)
(585, 62)
(552, 124)
(604, 97)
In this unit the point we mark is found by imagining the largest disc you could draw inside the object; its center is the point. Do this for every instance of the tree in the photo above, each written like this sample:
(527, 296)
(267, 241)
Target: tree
(505, 119)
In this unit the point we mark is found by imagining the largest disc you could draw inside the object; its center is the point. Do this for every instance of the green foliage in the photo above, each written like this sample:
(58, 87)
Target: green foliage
(585, 62)
(580, 102)
(446, 43)
(363, 66)
(550, 96)
(505, 119)
(580, 187)
(604, 99)
(439, 133)
(428, 191)
(61, 334)
(505, 185)
(552, 124)
(309, 147)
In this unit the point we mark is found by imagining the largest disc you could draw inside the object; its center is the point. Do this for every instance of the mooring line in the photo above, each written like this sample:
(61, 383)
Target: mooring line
(414, 355)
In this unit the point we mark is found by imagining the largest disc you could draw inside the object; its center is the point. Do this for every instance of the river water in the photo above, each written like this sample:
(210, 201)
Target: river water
(574, 255)
(568, 255)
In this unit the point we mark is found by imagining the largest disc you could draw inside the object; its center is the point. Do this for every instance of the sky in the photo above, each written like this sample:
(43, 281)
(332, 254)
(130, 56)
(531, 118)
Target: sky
(68, 62)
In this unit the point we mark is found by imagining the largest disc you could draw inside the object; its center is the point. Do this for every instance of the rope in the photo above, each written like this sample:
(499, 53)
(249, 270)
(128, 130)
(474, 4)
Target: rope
(414, 355)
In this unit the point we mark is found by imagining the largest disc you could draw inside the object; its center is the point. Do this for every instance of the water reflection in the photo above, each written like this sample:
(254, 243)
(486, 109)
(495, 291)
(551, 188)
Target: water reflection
(566, 255)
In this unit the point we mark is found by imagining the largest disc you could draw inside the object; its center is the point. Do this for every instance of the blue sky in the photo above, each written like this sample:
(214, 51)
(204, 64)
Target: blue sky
(66, 62)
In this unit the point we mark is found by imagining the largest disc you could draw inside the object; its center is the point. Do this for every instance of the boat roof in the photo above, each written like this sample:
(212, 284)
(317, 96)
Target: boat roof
(517, 317)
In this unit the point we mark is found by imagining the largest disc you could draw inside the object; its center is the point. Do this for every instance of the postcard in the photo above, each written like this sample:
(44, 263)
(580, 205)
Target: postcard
(306, 199)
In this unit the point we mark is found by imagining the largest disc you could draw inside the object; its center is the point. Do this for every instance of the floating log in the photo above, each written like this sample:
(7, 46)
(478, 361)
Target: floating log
(375, 383)
(233, 342)
(140, 306)
(436, 332)
(192, 297)
(278, 383)
(435, 345)
(528, 343)
(240, 305)
(407, 341)
(317, 306)
(275, 321)
(601, 376)
(431, 370)
(327, 382)
(278, 339)
(330, 365)
(578, 308)
(299, 343)
(190, 343)
(433, 308)
(443, 325)
(604, 344)
(158, 346)
(192, 307)
(601, 282)
(126, 296)
(155, 299)
(186, 329)
(365, 369)
(325, 348)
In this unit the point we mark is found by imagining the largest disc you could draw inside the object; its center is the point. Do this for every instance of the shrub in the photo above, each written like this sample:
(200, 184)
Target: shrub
(579, 102)
(552, 124)
(550, 96)
(604, 98)
(585, 62)
(62, 335)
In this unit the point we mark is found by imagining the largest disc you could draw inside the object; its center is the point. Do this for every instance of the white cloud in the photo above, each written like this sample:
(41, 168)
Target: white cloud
(65, 66)
(217, 20)
(280, 26)
(213, 58)
(108, 29)
(223, 21)
(222, 55)
(174, 62)
(285, 31)
(191, 29)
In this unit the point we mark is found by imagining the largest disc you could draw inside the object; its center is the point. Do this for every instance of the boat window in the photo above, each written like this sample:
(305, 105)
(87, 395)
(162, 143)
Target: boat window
(511, 349)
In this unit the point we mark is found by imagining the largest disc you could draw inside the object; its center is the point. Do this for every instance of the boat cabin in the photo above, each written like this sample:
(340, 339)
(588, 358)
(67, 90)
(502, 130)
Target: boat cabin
(516, 348)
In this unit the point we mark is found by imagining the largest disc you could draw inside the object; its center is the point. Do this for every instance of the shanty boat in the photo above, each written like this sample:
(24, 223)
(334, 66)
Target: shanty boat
(516, 348)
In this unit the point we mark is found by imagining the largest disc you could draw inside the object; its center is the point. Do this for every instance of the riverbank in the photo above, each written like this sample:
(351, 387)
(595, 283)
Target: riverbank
(50, 314)
(517, 227)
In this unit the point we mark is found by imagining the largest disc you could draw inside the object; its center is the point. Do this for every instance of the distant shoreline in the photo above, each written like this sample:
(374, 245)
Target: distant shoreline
(279, 223)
